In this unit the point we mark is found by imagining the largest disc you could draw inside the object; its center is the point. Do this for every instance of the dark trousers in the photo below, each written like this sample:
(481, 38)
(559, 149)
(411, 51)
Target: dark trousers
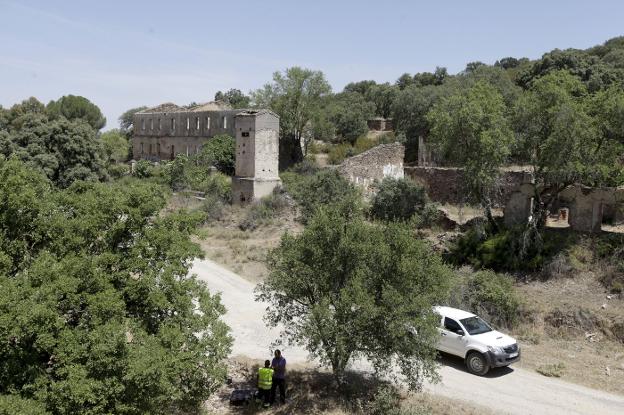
(265, 395)
(281, 384)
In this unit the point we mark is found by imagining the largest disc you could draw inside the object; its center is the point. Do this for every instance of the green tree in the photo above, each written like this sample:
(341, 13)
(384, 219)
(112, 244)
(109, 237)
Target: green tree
(404, 81)
(361, 87)
(409, 113)
(295, 95)
(126, 121)
(219, 151)
(383, 96)
(397, 199)
(97, 309)
(349, 114)
(64, 150)
(470, 129)
(75, 107)
(556, 138)
(115, 146)
(320, 189)
(345, 289)
(234, 97)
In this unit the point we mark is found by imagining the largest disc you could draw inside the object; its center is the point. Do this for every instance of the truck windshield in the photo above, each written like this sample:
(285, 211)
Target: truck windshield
(475, 325)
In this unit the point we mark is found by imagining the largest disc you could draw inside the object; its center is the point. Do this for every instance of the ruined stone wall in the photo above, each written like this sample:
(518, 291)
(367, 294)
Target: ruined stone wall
(385, 160)
(380, 124)
(446, 184)
(163, 135)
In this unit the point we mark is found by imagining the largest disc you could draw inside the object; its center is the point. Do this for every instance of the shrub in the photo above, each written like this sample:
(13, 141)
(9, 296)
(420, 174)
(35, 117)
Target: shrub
(307, 167)
(397, 199)
(339, 152)
(174, 173)
(322, 188)
(143, 169)
(117, 171)
(16, 405)
(364, 143)
(220, 151)
(489, 295)
(555, 370)
(217, 184)
(510, 249)
(213, 207)
(264, 211)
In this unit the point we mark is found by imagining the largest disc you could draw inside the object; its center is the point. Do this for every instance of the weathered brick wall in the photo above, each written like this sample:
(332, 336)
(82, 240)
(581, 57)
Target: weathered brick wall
(380, 124)
(446, 184)
(385, 160)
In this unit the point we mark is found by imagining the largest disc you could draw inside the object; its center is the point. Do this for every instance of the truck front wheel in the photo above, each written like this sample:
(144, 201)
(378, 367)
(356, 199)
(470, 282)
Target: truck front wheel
(477, 364)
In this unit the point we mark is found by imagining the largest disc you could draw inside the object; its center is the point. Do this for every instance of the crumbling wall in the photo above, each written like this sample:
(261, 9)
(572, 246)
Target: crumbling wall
(380, 124)
(446, 184)
(587, 205)
(385, 160)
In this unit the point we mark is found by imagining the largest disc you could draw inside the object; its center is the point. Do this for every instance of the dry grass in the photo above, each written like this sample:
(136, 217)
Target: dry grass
(244, 252)
(312, 391)
(566, 323)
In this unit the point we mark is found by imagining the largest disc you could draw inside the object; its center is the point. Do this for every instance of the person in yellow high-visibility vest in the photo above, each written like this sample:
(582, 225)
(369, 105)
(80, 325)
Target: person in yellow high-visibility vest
(265, 382)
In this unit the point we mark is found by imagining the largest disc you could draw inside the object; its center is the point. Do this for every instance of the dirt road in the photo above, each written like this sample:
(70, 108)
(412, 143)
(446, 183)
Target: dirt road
(510, 391)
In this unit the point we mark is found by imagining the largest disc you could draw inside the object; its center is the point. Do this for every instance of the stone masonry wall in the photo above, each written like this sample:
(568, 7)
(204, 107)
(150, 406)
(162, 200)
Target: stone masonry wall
(385, 160)
(445, 184)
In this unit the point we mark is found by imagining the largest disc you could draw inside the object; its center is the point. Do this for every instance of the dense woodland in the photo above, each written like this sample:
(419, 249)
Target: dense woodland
(98, 313)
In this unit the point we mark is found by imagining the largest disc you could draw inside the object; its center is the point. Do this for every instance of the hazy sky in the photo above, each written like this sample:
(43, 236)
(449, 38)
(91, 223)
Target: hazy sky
(122, 54)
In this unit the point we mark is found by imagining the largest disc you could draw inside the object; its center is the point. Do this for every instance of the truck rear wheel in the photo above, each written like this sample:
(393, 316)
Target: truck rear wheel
(477, 364)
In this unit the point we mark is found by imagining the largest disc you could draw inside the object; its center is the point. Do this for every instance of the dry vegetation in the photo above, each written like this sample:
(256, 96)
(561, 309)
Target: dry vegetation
(572, 323)
(244, 252)
(571, 326)
(311, 391)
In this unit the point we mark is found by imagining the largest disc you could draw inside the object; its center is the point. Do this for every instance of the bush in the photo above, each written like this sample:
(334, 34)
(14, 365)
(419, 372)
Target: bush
(387, 401)
(217, 184)
(264, 211)
(306, 167)
(143, 169)
(363, 143)
(397, 199)
(213, 207)
(339, 152)
(16, 405)
(175, 174)
(510, 249)
(220, 151)
(117, 171)
(554, 370)
(489, 295)
(322, 188)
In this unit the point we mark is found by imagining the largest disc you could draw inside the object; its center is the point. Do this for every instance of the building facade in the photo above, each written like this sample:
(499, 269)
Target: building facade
(165, 131)
(257, 155)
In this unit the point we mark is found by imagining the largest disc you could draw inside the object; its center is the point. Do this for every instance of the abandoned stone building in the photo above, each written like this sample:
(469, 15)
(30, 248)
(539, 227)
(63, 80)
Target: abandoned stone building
(257, 155)
(380, 124)
(580, 208)
(162, 132)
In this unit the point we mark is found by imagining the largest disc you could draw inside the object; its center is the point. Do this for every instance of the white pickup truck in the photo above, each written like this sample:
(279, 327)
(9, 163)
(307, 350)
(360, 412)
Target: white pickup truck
(466, 335)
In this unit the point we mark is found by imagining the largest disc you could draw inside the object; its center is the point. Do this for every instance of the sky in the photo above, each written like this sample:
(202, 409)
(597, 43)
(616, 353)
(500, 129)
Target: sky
(124, 54)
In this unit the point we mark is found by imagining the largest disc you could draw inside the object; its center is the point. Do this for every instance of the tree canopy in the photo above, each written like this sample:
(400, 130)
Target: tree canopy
(75, 107)
(97, 309)
(346, 289)
(234, 97)
(295, 95)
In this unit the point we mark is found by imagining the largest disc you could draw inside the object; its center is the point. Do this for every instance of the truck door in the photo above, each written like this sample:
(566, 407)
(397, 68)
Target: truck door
(450, 341)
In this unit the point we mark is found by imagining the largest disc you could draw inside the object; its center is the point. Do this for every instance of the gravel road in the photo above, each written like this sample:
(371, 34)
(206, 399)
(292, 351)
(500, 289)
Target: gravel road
(507, 391)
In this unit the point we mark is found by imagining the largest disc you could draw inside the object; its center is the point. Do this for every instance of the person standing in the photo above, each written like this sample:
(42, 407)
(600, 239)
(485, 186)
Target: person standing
(265, 383)
(278, 364)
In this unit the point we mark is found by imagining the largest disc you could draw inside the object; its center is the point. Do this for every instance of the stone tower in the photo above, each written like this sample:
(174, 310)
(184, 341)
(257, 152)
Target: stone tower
(257, 155)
